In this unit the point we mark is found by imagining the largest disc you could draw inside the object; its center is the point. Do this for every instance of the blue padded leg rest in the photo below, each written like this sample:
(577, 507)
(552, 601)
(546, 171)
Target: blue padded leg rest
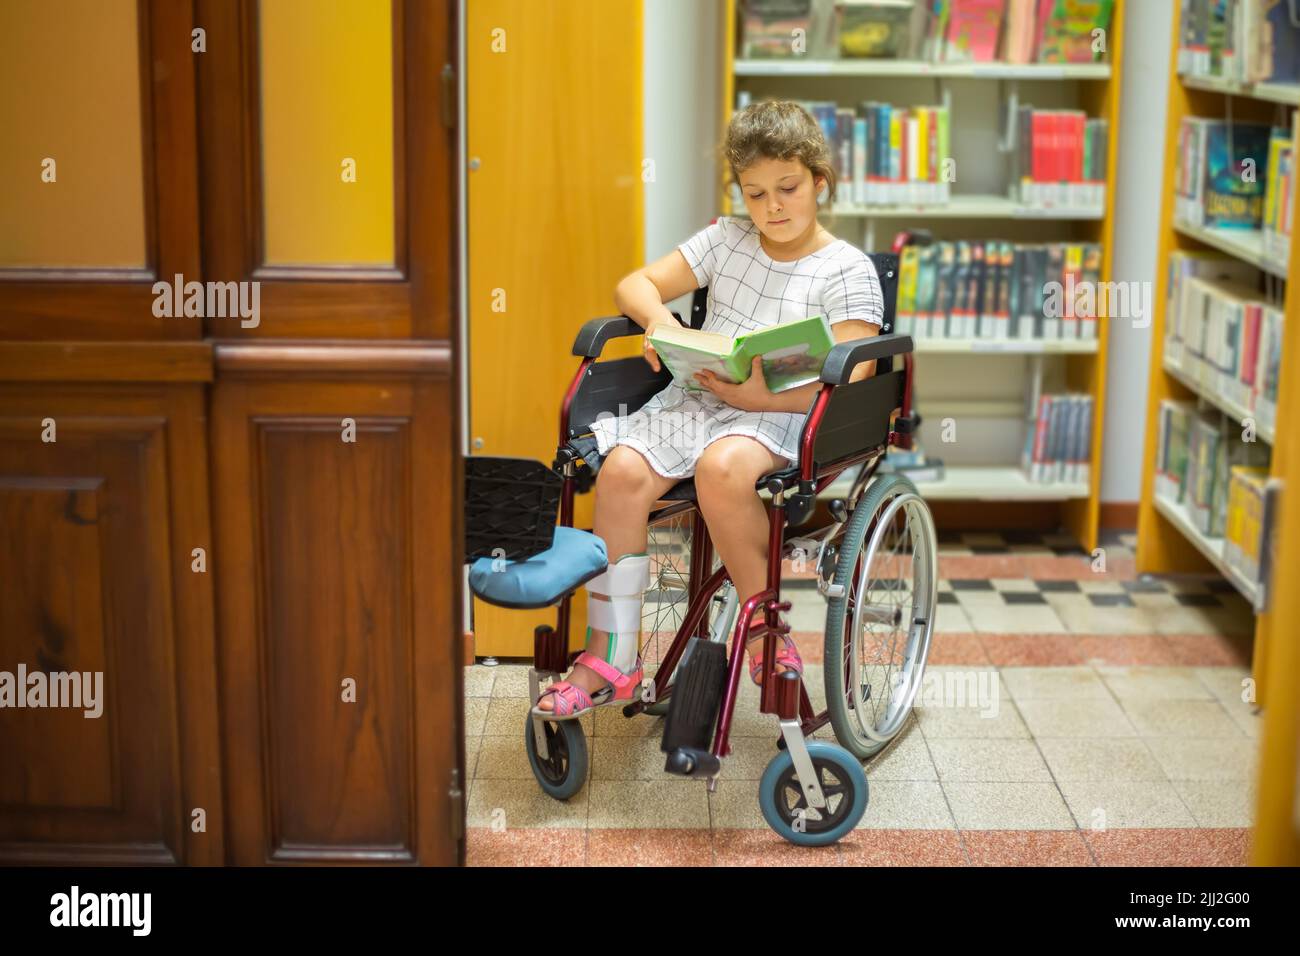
(573, 558)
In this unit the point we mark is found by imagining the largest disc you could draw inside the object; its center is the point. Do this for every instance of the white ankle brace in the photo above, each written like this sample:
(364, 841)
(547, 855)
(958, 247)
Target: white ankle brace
(614, 600)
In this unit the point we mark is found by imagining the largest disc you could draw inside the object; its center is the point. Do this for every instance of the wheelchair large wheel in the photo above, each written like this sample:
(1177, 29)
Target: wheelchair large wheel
(785, 807)
(668, 597)
(564, 770)
(878, 630)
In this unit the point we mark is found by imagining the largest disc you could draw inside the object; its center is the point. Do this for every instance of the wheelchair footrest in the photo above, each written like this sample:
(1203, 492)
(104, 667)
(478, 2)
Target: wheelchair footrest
(697, 693)
(692, 762)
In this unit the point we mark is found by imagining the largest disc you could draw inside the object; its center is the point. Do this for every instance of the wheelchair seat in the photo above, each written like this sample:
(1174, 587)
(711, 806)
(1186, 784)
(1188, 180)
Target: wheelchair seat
(685, 490)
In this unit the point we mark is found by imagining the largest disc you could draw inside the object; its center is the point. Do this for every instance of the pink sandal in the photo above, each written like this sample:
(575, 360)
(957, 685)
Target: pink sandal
(571, 701)
(787, 655)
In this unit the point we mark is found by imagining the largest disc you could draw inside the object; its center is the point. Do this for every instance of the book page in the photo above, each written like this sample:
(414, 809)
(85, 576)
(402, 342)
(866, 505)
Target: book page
(683, 363)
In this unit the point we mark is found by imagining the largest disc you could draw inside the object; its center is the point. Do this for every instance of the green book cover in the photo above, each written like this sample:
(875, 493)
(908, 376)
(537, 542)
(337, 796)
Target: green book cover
(793, 353)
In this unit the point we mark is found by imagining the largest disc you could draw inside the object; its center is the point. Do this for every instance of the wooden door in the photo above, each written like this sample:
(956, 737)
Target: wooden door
(248, 525)
(329, 131)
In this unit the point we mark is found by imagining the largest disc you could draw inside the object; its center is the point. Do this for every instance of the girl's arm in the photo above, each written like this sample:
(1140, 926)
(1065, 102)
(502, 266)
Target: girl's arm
(641, 295)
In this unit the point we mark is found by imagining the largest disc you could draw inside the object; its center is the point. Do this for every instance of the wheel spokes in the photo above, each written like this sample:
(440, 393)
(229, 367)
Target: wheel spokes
(883, 606)
(795, 803)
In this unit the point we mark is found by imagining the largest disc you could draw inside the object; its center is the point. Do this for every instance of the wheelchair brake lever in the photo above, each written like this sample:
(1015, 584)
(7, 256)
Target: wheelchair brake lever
(584, 476)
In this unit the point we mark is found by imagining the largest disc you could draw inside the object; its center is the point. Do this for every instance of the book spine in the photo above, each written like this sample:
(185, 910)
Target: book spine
(922, 154)
(873, 151)
(1041, 173)
(911, 155)
(858, 194)
(944, 155)
(895, 151)
(1092, 276)
(1083, 469)
(1039, 472)
(1072, 287)
(1079, 121)
(1089, 132)
(1011, 328)
(909, 261)
(956, 326)
(932, 155)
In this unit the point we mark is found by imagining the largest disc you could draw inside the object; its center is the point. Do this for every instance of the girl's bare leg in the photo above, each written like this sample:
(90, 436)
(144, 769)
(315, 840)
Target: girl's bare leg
(737, 518)
(626, 489)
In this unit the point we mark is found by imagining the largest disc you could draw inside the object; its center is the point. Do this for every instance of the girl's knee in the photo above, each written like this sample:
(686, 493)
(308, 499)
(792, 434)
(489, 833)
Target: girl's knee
(624, 472)
(726, 469)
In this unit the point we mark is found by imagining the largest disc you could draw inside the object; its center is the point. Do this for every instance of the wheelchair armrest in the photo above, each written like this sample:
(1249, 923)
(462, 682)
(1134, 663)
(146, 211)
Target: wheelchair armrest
(596, 332)
(844, 357)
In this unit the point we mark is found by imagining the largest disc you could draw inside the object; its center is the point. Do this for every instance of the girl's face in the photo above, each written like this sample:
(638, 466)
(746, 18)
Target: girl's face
(781, 196)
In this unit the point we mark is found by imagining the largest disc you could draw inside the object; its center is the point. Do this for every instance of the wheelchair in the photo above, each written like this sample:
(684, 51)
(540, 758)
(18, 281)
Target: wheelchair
(873, 549)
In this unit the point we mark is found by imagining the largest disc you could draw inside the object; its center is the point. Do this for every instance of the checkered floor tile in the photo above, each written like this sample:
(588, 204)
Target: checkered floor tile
(1026, 543)
(1169, 592)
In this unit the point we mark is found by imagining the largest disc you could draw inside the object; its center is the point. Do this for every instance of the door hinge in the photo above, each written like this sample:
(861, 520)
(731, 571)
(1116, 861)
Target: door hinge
(457, 796)
(448, 96)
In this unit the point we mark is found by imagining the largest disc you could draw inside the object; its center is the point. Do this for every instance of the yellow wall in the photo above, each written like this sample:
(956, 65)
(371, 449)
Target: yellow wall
(327, 95)
(555, 220)
(72, 93)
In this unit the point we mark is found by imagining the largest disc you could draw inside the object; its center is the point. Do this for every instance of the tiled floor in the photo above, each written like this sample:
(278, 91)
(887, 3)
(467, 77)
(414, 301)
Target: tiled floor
(1117, 735)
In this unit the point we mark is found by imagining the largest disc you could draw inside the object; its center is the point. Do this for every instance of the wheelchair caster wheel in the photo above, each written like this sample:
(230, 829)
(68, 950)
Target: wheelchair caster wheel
(785, 806)
(564, 770)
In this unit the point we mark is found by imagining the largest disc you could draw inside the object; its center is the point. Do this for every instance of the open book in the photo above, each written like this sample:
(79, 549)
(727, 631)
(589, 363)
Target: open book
(793, 352)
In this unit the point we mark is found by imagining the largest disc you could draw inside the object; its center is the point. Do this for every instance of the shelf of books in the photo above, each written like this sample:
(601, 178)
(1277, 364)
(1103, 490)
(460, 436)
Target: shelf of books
(962, 207)
(984, 132)
(923, 68)
(1225, 314)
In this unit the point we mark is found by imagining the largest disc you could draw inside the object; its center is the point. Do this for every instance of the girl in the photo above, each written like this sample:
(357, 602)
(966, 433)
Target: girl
(777, 265)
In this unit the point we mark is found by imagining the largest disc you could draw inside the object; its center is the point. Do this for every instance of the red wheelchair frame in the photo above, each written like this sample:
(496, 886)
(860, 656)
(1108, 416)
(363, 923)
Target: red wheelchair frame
(876, 411)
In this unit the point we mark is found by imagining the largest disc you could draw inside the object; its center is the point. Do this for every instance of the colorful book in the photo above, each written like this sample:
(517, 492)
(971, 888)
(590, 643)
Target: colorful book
(874, 28)
(1067, 33)
(769, 26)
(973, 30)
(793, 352)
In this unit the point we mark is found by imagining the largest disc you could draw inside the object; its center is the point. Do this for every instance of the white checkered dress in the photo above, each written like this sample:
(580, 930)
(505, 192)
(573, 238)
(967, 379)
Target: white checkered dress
(747, 290)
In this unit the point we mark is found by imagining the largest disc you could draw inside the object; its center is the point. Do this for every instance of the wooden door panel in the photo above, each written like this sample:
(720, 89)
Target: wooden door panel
(96, 556)
(340, 515)
(334, 567)
(414, 297)
(85, 553)
(55, 302)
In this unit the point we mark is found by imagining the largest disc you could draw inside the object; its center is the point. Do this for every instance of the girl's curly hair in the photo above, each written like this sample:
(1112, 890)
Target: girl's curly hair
(777, 129)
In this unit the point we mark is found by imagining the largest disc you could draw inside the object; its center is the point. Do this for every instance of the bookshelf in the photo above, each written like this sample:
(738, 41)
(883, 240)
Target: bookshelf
(1168, 542)
(975, 206)
(1244, 244)
(1286, 93)
(984, 382)
(922, 69)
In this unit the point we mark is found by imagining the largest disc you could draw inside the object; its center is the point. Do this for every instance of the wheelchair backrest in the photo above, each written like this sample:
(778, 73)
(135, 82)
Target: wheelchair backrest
(630, 382)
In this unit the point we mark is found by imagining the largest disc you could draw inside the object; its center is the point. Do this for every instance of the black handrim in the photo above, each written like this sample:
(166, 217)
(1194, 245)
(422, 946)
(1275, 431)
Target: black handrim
(556, 765)
(790, 799)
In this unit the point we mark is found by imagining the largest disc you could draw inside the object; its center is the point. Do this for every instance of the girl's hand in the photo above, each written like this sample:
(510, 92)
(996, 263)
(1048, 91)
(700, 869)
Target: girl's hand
(649, 352)
(751, 395)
